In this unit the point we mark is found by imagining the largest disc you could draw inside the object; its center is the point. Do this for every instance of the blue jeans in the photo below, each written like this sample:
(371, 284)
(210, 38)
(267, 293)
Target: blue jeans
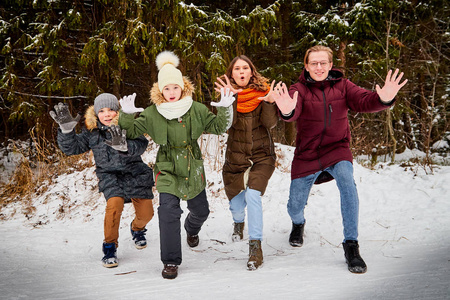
(251, 199)
(342, 172)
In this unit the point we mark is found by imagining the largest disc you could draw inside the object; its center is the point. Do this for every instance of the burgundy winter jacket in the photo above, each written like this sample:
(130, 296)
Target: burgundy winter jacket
(323, 131)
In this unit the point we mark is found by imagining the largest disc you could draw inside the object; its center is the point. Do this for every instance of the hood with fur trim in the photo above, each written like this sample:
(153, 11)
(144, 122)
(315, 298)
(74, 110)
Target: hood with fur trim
(92, 121)
(157, 97)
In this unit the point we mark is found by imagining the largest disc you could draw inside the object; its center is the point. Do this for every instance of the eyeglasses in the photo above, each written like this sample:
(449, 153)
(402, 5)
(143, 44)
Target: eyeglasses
(315, 64)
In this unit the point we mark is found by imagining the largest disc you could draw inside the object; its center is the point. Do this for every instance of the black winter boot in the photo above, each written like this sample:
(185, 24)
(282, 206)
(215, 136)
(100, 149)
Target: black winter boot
(354, 261)
(296, 236)
(238, 232)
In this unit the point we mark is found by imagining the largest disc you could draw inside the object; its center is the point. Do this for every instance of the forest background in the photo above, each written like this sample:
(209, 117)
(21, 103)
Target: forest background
(70, 51)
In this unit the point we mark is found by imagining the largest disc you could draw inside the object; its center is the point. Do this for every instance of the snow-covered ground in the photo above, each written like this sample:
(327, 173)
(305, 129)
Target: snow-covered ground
(55, 252)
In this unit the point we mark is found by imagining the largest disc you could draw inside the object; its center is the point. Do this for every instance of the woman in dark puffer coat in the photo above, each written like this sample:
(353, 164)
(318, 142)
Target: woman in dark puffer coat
(250, 156)
(122, 175)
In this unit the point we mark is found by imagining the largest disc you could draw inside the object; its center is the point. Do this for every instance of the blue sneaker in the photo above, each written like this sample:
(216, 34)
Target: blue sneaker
(139, 238)
(110, 258)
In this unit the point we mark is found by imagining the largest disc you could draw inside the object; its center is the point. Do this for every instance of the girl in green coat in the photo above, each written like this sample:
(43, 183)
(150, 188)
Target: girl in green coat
(175, 122)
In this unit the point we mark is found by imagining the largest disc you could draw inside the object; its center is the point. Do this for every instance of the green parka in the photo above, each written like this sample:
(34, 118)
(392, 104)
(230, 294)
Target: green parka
(179, 164)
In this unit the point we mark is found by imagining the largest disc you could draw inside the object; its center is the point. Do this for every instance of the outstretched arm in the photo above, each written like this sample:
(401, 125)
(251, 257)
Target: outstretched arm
(391, 86)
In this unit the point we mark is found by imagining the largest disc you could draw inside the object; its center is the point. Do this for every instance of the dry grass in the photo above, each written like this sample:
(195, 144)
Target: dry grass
(40, 164)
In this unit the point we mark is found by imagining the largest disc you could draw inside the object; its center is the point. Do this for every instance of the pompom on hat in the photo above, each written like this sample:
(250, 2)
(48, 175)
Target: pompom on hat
(106, 100)
(167, 63)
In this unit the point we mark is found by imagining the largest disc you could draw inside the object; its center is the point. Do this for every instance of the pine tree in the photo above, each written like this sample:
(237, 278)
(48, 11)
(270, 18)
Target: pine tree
(65, 51)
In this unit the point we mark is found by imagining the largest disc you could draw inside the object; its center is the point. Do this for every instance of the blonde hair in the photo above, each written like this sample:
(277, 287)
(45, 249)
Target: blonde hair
(318, 48)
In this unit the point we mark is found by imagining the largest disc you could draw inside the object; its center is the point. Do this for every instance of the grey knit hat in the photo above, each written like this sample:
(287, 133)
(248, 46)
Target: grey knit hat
(106, 100)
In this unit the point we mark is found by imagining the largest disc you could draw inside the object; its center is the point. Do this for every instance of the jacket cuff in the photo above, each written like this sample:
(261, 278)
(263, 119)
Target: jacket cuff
(288, 116)
(386, 103)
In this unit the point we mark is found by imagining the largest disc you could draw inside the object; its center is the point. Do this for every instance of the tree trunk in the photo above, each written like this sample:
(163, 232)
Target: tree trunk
(286, 39)
(341, 56)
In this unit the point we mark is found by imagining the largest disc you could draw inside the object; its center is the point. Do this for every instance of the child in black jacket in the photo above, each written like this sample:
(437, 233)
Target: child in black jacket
(123, 176)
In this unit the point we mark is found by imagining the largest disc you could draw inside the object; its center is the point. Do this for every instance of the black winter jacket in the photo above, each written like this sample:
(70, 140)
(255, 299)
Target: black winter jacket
(120, 174)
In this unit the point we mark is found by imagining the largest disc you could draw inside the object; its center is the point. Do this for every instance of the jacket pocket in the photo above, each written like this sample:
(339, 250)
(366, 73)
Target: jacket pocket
(165, 176)
(196, 175)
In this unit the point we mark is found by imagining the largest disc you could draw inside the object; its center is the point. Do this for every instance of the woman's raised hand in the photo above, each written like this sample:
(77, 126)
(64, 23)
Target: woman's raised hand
(220, 84)
(268, 97)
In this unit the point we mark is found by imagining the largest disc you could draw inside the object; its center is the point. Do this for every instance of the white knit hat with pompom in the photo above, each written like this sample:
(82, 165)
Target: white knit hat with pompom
(167, 63)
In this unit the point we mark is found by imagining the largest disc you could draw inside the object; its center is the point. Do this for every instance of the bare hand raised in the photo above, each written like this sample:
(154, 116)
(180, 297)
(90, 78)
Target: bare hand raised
(281, 96)
(220, 84)
(391, 86)
(268, 98)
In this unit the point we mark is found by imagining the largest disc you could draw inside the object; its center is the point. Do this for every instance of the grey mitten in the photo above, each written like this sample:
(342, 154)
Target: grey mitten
(118, 139)
(63, 117)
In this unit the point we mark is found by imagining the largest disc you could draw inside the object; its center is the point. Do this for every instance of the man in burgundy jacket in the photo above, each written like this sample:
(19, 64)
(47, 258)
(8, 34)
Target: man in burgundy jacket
(320, 102)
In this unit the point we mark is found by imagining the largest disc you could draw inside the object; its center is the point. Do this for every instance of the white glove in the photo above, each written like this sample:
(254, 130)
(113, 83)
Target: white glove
(226, 98)
(127, 104)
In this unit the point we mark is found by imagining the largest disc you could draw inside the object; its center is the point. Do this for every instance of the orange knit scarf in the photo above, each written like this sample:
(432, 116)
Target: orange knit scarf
(248, 101)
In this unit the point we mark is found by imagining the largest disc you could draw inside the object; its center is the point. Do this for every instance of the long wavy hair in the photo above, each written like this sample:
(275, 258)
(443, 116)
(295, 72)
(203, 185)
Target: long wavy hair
(257, 81)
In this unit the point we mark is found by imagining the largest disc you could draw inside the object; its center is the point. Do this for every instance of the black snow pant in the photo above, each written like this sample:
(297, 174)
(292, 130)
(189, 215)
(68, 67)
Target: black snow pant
(169, 214)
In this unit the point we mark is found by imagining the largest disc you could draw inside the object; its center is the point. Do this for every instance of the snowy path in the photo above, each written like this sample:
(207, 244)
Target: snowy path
(404, 239)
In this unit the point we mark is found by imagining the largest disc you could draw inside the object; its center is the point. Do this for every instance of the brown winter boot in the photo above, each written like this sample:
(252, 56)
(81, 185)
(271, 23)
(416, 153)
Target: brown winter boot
(170, 271)
(238, 232)
(192, 240)
(255, 258)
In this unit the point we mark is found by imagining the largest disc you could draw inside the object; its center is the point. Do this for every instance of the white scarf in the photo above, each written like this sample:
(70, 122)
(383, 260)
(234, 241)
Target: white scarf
(173, 110)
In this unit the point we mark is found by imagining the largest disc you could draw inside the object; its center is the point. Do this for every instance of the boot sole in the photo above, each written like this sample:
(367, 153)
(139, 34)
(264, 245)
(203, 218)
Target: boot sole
(110, 265)
(193, 245)
(357, 270)
(252, 266)
(293, 244)
(167, 276)
(236, 238)
(140, 247)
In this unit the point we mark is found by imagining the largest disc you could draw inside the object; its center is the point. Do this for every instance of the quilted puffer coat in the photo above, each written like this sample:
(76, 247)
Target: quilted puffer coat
(120, 174)
(250, 156)
(323, 131)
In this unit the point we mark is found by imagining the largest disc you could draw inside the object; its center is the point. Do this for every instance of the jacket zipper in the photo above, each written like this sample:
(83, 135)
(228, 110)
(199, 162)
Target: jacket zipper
(325, 125)
(329, 116)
